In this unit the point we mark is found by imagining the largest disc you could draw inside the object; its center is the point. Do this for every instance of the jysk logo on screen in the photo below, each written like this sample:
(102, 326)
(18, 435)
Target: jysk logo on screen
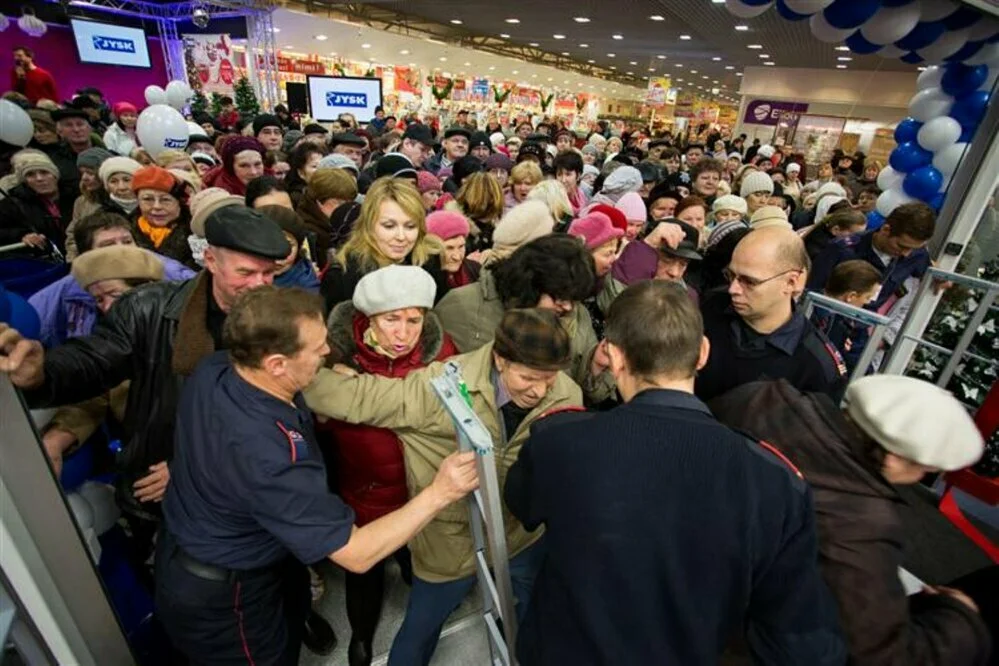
(116, 44)
(358, 100)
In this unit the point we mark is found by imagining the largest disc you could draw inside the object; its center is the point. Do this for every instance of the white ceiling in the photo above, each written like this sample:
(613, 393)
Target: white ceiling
(296, 34)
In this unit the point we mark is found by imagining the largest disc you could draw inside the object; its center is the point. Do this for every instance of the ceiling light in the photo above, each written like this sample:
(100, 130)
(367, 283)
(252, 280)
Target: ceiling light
(565, 53)
(365, 46)
(289, 46)
(515, 72)
(321, 38)
(613, 67)
(769, 63)
(565, 83)
(764, 56)
(456, 21)
(633, 62)
(656, 17)
(333, 53)
(742, 28)
(618, 36)
(591, 61)
(442, 59)
(468, 64)
(491, 69)
(693, 71)
(729, 67)
(513, 20)
(714, 81)
(436, 41)
(611, 55)
(404, 52)
(581, 19)
(844, 58)
(840, 66)
(504, 35)
(661, 57)
(718, 2)
(558, 36)
(631, 73)
(755, 46)
(920, 69)
(679, 78)
(584, 46)
(652, 69)
(678, 65)
(275, 29)
(549, 78)
(412, 64)
(534, 44)
(738, 73)
(685, 37)
(842, 48)
(534, 76)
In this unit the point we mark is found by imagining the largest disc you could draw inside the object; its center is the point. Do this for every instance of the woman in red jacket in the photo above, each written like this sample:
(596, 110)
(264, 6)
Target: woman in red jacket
(387, 329)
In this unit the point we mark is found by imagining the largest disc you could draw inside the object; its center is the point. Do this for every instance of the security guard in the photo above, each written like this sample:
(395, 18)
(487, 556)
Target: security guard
(756, 331)
(248, 504)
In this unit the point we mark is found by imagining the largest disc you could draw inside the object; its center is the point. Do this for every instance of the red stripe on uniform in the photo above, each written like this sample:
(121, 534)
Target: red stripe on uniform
(291, 442)
(774, 450)
(239, 622)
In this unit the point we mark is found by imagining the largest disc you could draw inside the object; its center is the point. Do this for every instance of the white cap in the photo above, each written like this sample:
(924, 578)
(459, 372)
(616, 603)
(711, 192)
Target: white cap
(793, 166)
(393, 288)
(756, 181)
(497, 139)
(766, 150)
(730, 202)
(915, 420)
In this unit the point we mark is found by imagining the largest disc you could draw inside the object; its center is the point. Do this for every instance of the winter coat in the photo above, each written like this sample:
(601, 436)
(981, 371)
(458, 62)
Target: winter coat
(175, 245)
(861, 534)
(444, 550)
(219, 177)
(118, 141)
(106, 205)
(320, 229)
(471, 314)
(67, 311)
(302, 274)
(339, 280)
(370, 466)
(154, 335)
(23, 212)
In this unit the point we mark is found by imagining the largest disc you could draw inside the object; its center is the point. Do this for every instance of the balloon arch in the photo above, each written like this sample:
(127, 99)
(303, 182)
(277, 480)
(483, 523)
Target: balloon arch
(959, 45)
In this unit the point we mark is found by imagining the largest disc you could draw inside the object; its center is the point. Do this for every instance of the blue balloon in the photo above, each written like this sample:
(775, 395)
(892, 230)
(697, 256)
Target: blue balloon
(967, 133)
(969, 109)
(907, 130)
(912, 58)
(966, 51)
(875, 220)
(964, 17)
(858, 44)
(850, 13)
(789, 13)
(937, 202)
(924, 34)
(923, 184)
(909, 156)
(959, 80)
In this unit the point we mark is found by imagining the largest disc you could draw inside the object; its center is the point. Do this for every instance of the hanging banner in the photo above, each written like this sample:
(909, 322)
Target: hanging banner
(767, 112)
(480, 91)
(658, 92)
(210, 63)
(407, 80)
(684, 106)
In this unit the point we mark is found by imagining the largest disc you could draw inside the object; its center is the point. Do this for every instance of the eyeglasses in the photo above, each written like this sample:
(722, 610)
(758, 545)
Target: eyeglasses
(163, 201)
(750, 282)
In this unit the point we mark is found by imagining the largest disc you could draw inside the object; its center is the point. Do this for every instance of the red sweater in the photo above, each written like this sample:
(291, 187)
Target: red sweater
(37, 84)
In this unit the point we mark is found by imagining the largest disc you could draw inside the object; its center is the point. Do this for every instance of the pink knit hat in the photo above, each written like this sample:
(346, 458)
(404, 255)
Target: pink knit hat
(632, 206)
(427, 182)
(447, 224)
(595, 229)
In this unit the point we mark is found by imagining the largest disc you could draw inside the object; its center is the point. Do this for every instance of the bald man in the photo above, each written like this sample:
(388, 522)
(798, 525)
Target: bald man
(756, 331)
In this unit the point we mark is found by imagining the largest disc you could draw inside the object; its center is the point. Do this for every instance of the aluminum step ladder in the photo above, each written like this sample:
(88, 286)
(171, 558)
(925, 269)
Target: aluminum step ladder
(486, 517)
(812, 300)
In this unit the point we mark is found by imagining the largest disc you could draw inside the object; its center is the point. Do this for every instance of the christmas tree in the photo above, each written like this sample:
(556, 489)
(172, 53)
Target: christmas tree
(216, 105)
(199, 103)
(246, 99)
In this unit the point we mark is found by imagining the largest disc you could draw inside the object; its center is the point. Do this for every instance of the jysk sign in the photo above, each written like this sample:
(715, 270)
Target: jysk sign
(354, 100)
(107, 44)
(115, 44)
(767, 112)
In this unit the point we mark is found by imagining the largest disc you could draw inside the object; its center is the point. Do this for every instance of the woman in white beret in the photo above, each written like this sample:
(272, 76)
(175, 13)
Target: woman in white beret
(892, 431)
(388, 329)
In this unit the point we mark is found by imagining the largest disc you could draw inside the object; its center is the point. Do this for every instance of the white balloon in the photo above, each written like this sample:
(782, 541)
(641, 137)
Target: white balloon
(929, 104)
(892, 199)
(742, 10)
(934, 10)
(985, 27)
(946, 160)
(946, 45)
(889, 178)
(105, 510)
(155, 95)
(939, 133)
(987, 55)
(161, 127)
(177, 94)
(16, 127)
(825, 32)
(890, 24)
(891, 51)
(807, 7)
(194, 128)
(930, 78)
(80, 508)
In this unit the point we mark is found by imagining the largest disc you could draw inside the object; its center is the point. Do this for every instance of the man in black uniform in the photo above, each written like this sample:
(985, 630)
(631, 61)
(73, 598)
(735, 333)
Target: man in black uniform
(154, 336)
(755, 329)
(667, 533)
(248, 505)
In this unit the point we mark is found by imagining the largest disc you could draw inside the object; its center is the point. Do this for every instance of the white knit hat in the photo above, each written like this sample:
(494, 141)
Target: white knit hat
(522, 224)
(730, 202)
(915, 420)
(756, 181)
(393, 288)
(497, 139)
(113, 165)
(28, 160)
(832, 187)
(624, 179)
(766, 151)
(824, 204)
(767, 217)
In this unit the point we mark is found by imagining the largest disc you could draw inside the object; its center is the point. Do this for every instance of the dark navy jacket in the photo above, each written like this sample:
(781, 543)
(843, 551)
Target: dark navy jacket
(667, 536)
(247, 482)
(860, 246)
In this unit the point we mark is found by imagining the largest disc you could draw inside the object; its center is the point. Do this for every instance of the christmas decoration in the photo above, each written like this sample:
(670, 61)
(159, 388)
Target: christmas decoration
(501, 97)
(216, 105)
(545, 101)
(580, 103)
(338, 69)
(246, 99)
(440, 94)
(30, 24)
(199, 103)
(370, 74)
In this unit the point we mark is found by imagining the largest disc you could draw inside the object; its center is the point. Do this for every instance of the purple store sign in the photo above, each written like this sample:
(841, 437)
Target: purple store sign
(767, 112)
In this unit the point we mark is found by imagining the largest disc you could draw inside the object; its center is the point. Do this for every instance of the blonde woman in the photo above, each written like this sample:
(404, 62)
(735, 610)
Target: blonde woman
(480, 199)
(552, 194)
(523, 178)
(178, 160)
(391, 229)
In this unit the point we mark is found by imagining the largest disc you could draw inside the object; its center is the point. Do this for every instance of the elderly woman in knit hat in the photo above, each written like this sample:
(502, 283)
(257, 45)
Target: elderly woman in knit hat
(202, 204)
(756, 189)
(297, 269)
(388, 329)
(121, 137)
(37, 210)
(242, 161)
(452, 228)
(602, 239)
(105, 274)
(430, 188)
(45, 128)
(514, 378)
(164, 221)
(635, 211)
(115, 174)
(619, 182)
(92, 195)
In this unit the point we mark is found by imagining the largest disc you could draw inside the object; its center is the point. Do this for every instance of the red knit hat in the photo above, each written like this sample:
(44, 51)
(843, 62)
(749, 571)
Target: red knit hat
(123, 107)
(237, 145)
(153, 178)
(617, 218)
(447, 224)
(595, 229)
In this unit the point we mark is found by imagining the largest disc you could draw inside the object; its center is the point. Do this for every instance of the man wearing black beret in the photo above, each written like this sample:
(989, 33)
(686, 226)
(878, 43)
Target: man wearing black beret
(268, 130)
(349, 144)
(155, 336)
(455, 144)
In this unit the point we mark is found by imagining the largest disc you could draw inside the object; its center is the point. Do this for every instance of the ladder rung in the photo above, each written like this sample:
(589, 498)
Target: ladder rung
(499, 643)
(485, 574)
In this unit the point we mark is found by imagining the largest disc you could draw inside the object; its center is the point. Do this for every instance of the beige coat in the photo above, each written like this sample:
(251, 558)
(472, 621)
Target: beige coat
(444, 550)
(471, 314)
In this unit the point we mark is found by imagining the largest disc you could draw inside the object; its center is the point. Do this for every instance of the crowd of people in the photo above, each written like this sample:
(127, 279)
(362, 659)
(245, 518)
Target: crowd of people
(257, 318)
